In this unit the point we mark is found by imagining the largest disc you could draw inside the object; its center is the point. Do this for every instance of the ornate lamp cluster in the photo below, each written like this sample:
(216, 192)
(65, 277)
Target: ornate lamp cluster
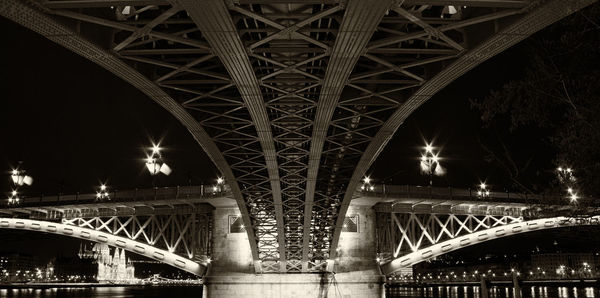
(367, 186)
(568, 180)
(102, 193)
(155, 163)
(483, 192)
(219, 187)
(19, 178)
(430, 163)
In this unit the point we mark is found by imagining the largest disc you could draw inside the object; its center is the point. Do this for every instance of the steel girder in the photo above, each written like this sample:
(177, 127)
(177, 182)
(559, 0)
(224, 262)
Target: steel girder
(401, 238)
(217, 26)
(251, 81)
(187, 235)
(401, 233)
(450, 46)
(358, 25)
(90, 233)
(162, 51)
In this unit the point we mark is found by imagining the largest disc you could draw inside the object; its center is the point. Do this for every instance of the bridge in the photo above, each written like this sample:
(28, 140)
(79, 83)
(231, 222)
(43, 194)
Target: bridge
(291, 100)
(387, 229)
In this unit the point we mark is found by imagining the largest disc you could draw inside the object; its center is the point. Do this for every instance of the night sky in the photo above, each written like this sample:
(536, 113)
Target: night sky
(75, 125)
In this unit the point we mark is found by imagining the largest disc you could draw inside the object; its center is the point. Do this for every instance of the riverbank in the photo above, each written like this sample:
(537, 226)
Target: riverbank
(544, 282)
(84, 285)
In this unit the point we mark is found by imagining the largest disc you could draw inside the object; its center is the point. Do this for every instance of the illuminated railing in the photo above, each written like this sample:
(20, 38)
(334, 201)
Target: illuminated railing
(147, 194)
(449, 193)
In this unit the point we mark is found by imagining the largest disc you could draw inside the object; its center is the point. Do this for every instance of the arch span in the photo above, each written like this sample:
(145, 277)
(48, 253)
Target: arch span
(482, 236)
(103, 237)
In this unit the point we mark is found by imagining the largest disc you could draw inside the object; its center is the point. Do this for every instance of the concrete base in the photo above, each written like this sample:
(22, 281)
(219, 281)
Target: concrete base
(342, 285)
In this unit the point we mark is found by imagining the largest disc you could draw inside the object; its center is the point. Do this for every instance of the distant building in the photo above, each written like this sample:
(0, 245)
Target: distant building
(19, 267)
(111, 268)
(563, 263)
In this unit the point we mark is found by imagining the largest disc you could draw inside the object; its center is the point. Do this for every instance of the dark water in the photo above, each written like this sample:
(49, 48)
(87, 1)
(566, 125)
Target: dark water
(196, 291)
(495, 292)
(112, 292)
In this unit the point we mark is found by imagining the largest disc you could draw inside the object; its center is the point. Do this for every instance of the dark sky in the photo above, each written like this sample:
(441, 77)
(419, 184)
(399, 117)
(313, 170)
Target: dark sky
(74, 125)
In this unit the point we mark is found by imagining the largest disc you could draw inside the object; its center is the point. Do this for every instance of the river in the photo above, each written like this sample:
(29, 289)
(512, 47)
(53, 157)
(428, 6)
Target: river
(196, 291)
(495, 292)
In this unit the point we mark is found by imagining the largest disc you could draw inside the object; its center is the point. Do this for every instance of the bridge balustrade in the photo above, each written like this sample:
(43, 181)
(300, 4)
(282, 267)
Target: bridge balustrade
(428, 192)
(149, 194)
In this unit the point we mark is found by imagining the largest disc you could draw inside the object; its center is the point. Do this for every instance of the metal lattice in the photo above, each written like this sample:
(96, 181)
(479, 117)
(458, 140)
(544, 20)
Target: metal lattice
(188, 235)
(413, 238)
(402, 233)
(292, 101)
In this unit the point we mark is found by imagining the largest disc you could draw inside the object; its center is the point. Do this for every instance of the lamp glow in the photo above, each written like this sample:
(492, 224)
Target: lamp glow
(430, 163)
(155, 163)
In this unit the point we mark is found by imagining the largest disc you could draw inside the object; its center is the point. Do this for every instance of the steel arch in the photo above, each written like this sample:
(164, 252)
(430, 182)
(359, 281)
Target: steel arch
(103, 237)
(36, 19)
(270, 102)
(483, 236)
(536, 18)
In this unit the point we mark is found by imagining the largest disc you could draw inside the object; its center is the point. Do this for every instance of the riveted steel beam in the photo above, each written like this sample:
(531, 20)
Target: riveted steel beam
(536, 19)
(360, 21)
(213, 19)
(45, 25)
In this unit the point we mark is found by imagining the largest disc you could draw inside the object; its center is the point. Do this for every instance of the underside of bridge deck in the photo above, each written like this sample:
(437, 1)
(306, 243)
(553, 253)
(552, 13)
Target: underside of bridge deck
(292, 100)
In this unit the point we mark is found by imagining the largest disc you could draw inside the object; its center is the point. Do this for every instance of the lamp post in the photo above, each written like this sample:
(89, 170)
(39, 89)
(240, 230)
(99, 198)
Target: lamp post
(156, 165)
(430, 163)
(219, 186)
(483, 192)
(13, 199)
(19, 178)
(567, 178)
(102, 193)
(367, 186)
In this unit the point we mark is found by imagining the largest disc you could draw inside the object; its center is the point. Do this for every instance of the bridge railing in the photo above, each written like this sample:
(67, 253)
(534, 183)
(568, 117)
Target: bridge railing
(450, 193)
(132, 195)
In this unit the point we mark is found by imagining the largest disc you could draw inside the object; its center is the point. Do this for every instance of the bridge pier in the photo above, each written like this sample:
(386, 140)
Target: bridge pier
(355, 272)
(319, 285)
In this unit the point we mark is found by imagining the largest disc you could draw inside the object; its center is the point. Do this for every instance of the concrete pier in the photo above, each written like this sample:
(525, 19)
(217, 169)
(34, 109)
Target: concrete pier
(354, 274)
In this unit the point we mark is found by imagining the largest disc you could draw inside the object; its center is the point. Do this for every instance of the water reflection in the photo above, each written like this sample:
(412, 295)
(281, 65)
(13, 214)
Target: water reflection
(109, 292)
(494, 292)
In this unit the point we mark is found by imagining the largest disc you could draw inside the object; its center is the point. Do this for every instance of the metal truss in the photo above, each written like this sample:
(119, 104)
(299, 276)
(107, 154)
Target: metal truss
(418, 49)
(187, 235)
(428, 236)
(294, 100)
(402, 233)
(110, 238)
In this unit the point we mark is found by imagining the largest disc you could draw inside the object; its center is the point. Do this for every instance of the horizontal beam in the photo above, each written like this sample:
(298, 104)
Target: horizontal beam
(101, 3)
(473, 3)
(101, 237)
(448, 246)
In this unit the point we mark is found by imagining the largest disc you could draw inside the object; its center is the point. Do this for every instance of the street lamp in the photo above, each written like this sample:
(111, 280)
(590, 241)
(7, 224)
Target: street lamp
(567, 178)
(13, 199)
(19, 178)
(430, 163)
(483, 192)
(367, 186)
(219, 186)
(102, 193)
(155, 163)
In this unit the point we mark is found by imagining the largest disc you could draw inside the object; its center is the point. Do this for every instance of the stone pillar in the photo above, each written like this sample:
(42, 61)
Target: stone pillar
(355, 273)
